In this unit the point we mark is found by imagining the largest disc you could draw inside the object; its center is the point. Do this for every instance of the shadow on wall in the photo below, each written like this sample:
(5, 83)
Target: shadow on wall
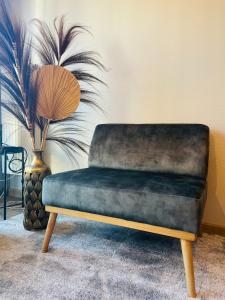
(216, 179)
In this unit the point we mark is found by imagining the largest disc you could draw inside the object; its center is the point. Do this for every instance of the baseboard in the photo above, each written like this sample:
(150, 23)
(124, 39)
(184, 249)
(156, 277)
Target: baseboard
(213, 229)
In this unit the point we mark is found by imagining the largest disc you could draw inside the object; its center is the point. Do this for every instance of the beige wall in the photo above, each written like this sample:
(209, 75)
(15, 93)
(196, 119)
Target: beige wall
(167, 64)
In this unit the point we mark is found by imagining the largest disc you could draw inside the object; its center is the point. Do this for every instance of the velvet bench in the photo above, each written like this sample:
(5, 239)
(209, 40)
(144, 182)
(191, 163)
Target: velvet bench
(150, 177)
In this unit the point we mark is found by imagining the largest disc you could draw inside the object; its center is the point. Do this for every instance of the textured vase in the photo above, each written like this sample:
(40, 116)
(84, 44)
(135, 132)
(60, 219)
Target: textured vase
(35, 216)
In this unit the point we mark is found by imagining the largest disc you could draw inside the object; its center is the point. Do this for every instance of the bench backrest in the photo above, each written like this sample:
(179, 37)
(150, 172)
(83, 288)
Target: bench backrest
(172, 148)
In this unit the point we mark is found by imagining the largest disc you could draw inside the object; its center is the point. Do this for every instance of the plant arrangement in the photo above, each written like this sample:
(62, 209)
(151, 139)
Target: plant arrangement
(23, 88)
(44, 97)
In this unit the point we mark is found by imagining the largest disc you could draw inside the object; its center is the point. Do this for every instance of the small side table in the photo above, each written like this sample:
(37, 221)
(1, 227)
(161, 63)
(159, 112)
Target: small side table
(4, 151)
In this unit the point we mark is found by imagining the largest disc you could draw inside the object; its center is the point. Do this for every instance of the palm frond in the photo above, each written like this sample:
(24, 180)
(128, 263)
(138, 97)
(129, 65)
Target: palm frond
(66, 35)
(64, 136)
(47, 45)
(69, 150)
(16, 69)
(14, 110)
(74, 118)
(52, 44)
(53, 48)
(12, 90)
(86, 57)
(84, 76)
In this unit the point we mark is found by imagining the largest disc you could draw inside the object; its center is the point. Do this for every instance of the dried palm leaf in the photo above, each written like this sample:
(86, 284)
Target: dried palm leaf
(59, 92)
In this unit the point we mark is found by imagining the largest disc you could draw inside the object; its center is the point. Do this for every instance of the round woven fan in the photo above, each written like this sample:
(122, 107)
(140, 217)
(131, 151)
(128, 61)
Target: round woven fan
(58, 92)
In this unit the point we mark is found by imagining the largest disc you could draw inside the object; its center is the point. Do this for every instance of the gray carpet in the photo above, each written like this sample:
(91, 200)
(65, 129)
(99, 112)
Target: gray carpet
(89, 260)
(13, 210)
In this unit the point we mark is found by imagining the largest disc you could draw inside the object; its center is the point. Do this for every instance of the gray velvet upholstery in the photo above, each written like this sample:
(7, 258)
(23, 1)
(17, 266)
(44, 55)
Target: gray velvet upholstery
(175, 148)
(129, 178)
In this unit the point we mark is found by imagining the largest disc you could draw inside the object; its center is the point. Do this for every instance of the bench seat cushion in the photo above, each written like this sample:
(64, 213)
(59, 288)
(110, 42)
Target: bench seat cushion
(161, 199)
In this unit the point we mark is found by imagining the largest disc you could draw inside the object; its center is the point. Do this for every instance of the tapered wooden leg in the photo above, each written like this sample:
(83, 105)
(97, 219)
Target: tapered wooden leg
(49, 231)
(186, 247)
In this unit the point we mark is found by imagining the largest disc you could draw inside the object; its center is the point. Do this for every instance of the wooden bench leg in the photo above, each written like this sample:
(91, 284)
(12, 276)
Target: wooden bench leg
(49, 231)
(186, 247)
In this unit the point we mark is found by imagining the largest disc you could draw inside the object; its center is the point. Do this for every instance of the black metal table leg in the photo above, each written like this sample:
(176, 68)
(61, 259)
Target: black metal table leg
(5, 184)
(4, 152)
(22, 181)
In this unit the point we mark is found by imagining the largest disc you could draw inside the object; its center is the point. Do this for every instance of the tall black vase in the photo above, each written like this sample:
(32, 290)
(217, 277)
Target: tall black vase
(35, 216)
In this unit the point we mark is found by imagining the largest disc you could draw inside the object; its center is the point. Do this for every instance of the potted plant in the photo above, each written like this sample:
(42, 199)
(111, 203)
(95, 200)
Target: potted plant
(43, 96)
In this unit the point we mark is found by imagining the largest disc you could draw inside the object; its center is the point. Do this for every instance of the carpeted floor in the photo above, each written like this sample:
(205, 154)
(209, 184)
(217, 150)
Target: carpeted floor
(89, 260)
(13, 210)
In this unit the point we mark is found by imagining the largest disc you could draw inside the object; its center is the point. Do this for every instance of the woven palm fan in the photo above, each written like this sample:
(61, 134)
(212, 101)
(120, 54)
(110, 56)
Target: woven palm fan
(59, 92)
